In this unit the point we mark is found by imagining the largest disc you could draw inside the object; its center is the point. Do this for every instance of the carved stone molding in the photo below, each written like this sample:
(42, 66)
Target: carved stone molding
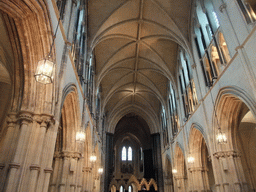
(34, 167)
(11, 119)
(225, 154)
(26, 117)
(197, 169)
(14, 165)
(48, 170)
(87, 169)
(68, 154)
(2, 165)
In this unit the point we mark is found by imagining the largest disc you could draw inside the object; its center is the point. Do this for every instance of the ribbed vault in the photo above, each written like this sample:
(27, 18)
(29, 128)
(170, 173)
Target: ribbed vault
(135, 43)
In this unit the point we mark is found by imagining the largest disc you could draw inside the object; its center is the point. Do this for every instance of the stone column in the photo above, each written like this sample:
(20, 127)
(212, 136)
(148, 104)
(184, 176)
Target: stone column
(199, 179)
(180, 183)
(232, 171)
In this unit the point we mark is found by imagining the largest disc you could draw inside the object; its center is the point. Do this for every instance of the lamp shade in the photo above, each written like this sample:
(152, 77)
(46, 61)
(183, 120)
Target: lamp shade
(221, 137)
(80, 136)
(191, 159)
(44, 71)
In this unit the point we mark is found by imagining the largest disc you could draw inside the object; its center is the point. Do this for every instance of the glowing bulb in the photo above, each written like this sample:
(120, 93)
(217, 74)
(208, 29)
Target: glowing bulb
(80, 136)
(44, 71)
(93, 158)
(174, 171)
(100, 170)
(191, 159)
(221, 137)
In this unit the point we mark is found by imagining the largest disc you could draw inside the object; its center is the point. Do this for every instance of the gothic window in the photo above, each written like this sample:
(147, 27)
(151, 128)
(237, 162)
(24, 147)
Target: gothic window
(129, 154)
(213, 53)
(124, 154)
(130, 188)
(164, 127)
(187, 86)
(248, 9)
(173, 110)
(78, 48)
(121, 189)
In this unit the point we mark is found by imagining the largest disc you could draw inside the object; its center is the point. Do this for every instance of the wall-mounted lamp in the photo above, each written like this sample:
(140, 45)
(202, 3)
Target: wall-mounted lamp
(174, 171)
(93, 157)
(80, 136)
(191, 159)
(46, 68)
(100, 170)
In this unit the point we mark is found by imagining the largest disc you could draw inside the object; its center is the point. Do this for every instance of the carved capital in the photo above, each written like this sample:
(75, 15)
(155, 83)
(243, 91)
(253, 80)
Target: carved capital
(34, 167)
(71, 154)
(87, 169)
(226, 154)
(11, 119)
(2, 165)
(26, 117)
(197, 169)
(48, 170)
(14, 165)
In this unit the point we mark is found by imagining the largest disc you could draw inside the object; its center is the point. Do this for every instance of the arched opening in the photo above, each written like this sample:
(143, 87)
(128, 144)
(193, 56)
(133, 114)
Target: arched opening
(180, 173)
(66, 155)
(237, 120)
(168, 176)
(200, 167)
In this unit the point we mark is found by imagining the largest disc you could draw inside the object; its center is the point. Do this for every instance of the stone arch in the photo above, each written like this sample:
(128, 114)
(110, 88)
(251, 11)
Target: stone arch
(228, 101)
(235, 116)
(34, 46)
(67, 153)
(168, 175)
(201, 168)
(181, 170)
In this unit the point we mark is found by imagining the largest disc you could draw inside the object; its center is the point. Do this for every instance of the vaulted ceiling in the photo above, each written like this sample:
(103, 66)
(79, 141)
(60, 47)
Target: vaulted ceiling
(135, 43)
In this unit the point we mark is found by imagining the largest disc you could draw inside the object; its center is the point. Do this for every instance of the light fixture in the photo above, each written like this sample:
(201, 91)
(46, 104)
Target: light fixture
(45, 67)
(100, 170)
(93, 158)
(80, 136)
(191, 159)
(174, 171)
(221, 137)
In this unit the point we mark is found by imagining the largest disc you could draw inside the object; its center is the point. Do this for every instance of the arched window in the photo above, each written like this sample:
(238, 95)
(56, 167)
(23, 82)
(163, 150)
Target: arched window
(129, 154)
(164, 127)
(121, 189)
(124, 154)
(187, 86)
(210, 51)
(173, 110)
(130, 188)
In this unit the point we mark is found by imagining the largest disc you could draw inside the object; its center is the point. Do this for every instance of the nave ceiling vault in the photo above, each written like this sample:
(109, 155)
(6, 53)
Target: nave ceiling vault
(135, 43)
